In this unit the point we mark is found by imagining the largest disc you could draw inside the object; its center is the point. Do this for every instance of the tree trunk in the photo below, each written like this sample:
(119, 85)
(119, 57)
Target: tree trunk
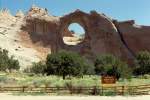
(64, 77)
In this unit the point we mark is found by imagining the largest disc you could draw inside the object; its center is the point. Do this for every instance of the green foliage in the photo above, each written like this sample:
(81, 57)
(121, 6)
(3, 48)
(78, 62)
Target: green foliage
(24, 79)
(88, 68)
(142, 63)
(6, 62)
(13, 63)
(38, 68)
(65, 63)
(112, 66)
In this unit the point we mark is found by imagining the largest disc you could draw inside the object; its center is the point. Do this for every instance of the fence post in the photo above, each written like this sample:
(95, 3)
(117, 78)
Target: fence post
(71, 90)
(115, 90)
(23, 89)
(102, 91)
(123, 90)
(45, 88)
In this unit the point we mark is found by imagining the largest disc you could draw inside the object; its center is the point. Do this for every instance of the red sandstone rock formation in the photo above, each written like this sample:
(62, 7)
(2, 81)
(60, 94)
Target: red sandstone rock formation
(137, 37)
(102, 34)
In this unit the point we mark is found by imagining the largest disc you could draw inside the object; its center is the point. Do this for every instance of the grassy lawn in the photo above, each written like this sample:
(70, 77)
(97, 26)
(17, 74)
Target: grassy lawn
(9, 79)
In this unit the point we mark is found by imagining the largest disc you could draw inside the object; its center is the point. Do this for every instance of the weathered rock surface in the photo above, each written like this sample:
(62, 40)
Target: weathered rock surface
(19, 14)
(103, 35)
(137, 37)
(10, 39)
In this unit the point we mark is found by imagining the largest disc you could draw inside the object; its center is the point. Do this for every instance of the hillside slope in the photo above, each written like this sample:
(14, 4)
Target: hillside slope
(11, 41)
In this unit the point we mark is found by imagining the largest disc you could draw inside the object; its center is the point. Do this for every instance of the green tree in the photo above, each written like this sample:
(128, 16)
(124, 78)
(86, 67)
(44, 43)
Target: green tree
(142, 63)
(13, 64)
(6, 62)
(65, 63)
(112, 66)
(88, 67)
(38, 68)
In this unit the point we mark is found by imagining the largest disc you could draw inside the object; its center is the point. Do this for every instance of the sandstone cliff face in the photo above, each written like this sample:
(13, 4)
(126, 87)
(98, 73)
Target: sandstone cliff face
(10, 31)
(41, 27)
(103, 35)
(137, 37)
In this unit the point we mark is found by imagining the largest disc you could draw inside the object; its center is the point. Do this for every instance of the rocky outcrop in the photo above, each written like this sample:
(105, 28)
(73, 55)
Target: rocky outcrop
(102, 34)
(38, 33)
(10, 31)
(137, 37)
(19, 14)
(6, 17)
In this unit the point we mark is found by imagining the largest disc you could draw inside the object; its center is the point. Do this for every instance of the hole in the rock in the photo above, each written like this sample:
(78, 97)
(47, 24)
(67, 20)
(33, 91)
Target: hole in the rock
(74, 34)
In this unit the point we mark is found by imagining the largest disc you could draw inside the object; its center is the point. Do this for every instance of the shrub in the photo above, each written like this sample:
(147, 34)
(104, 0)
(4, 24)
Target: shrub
(142, 63)
(37, 68)
(65, 63)
(6, 62)
(112, 66)
(3, 79)
(88, 68)
(13, 64)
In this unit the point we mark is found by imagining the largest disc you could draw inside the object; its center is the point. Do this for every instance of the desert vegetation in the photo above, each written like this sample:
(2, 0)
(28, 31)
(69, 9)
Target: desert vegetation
(65, 67)
(71, 64)
(8, 63)
(66, 63)
(28, 79)
(70, 70)
(111, 66)
(142, 63)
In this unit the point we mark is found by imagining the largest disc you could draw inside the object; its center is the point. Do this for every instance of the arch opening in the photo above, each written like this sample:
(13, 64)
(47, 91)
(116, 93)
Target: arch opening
(74, 34)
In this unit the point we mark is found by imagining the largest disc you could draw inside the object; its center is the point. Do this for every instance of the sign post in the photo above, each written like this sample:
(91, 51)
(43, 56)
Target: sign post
(107, 81)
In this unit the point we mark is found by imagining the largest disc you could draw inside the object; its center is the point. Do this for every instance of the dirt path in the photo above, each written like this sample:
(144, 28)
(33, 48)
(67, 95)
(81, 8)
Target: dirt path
(10, 97)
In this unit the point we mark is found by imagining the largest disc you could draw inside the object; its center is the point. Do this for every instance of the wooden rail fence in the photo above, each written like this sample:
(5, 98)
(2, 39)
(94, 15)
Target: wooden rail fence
(101, 90)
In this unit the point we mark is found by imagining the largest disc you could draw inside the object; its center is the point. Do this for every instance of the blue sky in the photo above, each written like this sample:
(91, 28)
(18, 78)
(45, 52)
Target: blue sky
(139, 10)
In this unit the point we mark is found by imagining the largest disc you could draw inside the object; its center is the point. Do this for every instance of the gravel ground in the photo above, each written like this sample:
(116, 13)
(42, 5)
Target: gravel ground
(10, 97)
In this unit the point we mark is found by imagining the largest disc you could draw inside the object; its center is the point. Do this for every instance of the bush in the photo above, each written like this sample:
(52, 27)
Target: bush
(13, 64)
(112, 66)
(88, 68)
(6, 62)
(142, 63)
(38, 68)
(65, 63)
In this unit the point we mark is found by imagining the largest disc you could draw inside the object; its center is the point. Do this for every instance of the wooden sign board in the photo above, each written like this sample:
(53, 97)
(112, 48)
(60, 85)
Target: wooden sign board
(108, 79)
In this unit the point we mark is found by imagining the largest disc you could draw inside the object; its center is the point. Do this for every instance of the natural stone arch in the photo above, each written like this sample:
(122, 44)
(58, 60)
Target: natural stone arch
(74, 34)
(78, 17)
(101, 35)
